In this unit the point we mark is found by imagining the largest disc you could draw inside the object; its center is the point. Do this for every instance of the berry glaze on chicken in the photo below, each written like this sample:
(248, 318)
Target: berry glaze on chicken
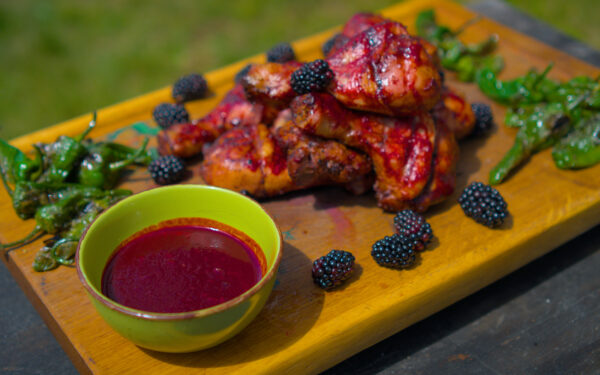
(385, 121)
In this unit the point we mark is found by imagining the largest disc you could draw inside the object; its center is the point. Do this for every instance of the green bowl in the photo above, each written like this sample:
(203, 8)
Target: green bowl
(186, 331)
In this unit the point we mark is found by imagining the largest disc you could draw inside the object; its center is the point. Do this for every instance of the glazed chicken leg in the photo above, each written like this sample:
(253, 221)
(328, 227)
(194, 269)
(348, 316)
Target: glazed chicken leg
(267, 162)
(384, 70)
(402, 149)
(185, 140)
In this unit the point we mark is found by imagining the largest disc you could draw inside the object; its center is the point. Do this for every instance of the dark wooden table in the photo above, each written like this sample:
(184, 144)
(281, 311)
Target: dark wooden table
(541, 319)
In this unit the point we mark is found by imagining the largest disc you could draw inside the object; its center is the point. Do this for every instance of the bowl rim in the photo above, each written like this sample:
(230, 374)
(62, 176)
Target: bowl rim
(156, 316)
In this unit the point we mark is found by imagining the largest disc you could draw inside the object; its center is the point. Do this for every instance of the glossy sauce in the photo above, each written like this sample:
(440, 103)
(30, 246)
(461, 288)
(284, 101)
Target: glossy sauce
(182, 265)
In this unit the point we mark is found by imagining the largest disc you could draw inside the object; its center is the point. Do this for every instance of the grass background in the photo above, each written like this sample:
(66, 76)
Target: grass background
(63, 58)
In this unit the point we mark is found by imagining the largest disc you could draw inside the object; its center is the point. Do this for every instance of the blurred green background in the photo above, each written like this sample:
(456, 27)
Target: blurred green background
(64, 58)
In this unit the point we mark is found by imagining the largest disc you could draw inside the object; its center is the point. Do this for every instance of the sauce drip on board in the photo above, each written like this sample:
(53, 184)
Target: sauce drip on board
(182, 265)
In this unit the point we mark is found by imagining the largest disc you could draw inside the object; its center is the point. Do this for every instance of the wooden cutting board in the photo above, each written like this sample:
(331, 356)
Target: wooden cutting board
(303, 329)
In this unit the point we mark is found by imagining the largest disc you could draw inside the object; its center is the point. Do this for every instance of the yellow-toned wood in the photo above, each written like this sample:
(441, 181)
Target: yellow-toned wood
(305, 330)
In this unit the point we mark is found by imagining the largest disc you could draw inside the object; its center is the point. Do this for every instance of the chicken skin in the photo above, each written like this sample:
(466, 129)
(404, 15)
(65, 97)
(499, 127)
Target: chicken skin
(402, 148)
(442, 181)
(258, 160)
(362, 21)
(247, 159)
(269, 85)
(384, 70)
(455, 112)
(186, 140)
(316, 161)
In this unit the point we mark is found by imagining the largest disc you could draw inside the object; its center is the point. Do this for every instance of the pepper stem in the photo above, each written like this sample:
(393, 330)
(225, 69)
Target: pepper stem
(87, 131)
(131, 159)
(465, 25)
(30, 237)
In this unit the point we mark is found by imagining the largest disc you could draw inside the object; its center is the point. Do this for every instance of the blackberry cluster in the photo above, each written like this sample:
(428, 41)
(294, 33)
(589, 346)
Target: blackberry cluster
(312, 76)
(280, 53)
(413, 228)
(484, 119)
(190, 87)
(331, 270)
(242, 73)
(167, 170)
(484, 204)
(394, 252)
(167, 114)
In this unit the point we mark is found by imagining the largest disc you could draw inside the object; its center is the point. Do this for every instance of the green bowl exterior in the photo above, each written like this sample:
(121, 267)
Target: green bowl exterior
(188, 335)
(179, 332)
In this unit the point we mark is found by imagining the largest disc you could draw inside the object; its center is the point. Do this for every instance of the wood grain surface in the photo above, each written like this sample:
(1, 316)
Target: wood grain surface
(303, 329)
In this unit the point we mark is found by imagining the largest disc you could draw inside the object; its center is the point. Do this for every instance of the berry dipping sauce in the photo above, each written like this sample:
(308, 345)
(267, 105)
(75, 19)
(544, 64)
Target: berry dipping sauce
(182, 265)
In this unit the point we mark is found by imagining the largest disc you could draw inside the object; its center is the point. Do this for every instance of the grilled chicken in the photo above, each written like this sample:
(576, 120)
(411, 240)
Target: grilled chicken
(384, 70)
(269, 85)
(316, 161)
(401, 148)
(266, 162)
(453, 110)
(247, 159)
(185, 140)
(362, 21)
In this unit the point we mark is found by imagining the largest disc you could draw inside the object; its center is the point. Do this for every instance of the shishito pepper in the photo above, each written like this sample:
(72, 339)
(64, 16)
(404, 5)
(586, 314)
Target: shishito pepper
(581, 148)
(465, 59)
(103, 165)
(63, 250)
(541, 127)
(64, 155)
(15, 166)
(531, 88)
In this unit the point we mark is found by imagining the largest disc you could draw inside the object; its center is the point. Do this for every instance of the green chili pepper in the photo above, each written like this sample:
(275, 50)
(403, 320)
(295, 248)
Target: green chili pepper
(15, 166)
(570, 91)
(581, 148)
(63, 250)
(103, 166)
(28, 196)
(54, 217)
(465, 59)
(44, 261)
(544, 126)
(532, 88)
(64, 155)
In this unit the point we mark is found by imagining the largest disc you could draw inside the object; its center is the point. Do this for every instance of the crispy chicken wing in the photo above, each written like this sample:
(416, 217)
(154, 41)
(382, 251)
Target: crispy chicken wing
(362, 21)
(269, 85)
(401, 148)
(266, 162)
(247, 159)
(455, 112)
(384, 70)
(442, 181)
(316, 161)
(185, 140)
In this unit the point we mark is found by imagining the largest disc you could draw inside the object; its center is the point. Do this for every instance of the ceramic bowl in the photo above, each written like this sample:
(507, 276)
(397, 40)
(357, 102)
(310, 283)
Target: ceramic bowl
(186, 331)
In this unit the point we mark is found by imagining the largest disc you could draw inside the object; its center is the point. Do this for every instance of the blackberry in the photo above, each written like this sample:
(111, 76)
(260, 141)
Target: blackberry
(484, 204)
(280, 53)
(312, 76)
(328, 45)
(442, 75)
(242, 73)
(484, 119)
(394, 252)
(336, 40)
(167, 170)
(414, 228)
(167, 114)
(190, 87)
(331, 270)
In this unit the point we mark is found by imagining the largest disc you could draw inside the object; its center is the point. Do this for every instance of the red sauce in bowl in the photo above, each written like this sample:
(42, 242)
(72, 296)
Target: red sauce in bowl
(182, 265)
